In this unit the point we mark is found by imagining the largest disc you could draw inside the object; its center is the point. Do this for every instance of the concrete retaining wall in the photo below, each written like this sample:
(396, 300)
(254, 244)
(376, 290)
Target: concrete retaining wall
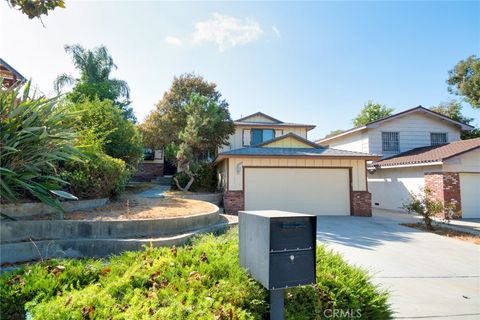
(215, 198)
(20, 210)
(76, 248)
(16, 231)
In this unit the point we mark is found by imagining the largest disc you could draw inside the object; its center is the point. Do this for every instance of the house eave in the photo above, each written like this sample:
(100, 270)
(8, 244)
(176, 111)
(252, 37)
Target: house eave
(273, 125)
(221, 157)
(406, 165)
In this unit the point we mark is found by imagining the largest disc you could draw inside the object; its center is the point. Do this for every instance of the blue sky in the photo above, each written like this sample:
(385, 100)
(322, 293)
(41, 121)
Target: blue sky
(308, 62)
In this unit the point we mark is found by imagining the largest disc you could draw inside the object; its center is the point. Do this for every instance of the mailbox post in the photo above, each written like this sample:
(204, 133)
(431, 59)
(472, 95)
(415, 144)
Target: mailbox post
(278, 250)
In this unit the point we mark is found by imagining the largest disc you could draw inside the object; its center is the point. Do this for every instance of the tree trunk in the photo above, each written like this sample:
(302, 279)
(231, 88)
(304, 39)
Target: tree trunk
(189, 184)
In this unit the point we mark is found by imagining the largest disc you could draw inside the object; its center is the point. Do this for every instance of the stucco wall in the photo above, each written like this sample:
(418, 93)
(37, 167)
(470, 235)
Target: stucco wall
(235, 174)
(390, 187)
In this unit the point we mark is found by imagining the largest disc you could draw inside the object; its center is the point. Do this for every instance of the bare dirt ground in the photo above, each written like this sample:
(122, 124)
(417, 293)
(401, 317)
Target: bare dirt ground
(130, 206)
(465, 236)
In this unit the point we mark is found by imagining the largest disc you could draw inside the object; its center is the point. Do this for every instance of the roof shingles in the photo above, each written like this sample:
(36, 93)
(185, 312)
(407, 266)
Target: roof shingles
(262, 151)
(430, 154)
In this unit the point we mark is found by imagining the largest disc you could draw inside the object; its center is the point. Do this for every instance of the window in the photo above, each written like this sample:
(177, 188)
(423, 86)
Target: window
(437, 138)
(148, 154)
(260, 135)
(390, 142)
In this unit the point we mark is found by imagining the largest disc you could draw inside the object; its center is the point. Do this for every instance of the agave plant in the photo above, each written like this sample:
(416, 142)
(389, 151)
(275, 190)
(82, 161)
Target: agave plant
(34, 139)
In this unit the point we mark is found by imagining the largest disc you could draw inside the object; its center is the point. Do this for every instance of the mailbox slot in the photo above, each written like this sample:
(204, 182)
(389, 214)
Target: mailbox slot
(291, 268)
(292, 233)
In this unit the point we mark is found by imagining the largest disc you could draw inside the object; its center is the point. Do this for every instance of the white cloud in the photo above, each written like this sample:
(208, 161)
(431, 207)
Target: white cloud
(226, 31)
(276, 32)
(174, 41)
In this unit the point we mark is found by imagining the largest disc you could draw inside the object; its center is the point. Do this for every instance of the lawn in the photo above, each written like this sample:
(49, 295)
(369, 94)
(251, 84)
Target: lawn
(201, 280)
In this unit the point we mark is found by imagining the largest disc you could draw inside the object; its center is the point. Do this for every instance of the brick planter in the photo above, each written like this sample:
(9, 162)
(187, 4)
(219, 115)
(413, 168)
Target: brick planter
(361, 203)
(233, 201)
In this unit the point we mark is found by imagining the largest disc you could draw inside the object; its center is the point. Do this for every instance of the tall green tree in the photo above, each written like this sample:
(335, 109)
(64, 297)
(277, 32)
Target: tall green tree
(453, 109)
(95, 67)
(203, 117)
(36, 8)
(372, 111)
(163, 125)
(103, 129)
(464, 80)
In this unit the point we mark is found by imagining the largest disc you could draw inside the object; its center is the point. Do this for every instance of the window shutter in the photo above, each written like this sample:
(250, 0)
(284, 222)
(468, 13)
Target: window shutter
(246, 138)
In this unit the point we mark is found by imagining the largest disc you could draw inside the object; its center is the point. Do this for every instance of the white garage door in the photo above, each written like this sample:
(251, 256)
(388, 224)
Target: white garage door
(470, 194)
(303, 190)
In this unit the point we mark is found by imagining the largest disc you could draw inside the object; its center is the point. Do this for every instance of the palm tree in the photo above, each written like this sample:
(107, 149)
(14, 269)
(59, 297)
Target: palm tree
(95, 67)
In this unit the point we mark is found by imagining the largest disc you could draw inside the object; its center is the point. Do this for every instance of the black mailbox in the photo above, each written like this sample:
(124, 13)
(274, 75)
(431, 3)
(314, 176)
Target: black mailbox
(278, 248)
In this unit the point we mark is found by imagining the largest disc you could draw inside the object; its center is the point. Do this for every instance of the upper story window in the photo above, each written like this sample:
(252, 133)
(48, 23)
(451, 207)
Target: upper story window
(390, 142)
(260, 135)
(437, 138)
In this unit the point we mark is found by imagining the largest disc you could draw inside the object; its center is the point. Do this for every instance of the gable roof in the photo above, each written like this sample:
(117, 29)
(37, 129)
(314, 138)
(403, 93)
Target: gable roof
(463, 126)
(256, 114)
(289, 135)
(430, 154)
(244, 121)
(19, 78)
(294, 152)
(312, 150)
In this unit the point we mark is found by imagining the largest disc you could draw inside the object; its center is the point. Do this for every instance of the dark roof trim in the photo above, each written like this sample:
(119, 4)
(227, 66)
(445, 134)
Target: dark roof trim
(463, 126)
(259, 114)
(288, 135)
(17, 74)
(420, 108)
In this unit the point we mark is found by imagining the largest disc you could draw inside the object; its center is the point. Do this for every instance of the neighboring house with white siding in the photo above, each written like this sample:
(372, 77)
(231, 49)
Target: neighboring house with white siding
(429, 136)
(270, 164)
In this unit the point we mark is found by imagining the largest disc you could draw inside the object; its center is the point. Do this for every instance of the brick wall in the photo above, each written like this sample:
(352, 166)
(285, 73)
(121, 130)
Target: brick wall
(233, 201)
(361, 203)
(148, 171)
(445, 187)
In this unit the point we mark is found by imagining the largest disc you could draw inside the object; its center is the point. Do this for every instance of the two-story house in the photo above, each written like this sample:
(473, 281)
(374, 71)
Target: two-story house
(270, 164)
(419, 148)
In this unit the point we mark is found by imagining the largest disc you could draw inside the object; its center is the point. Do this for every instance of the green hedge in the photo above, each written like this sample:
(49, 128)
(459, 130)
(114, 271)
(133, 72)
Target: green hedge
(197, 281)
(100, 176)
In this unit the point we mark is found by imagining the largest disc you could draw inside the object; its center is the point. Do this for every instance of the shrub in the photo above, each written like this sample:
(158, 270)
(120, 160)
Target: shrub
(97, 177)
(198, 281)
(34, 138)
(205, 178)
(425, 205)
(102, 125)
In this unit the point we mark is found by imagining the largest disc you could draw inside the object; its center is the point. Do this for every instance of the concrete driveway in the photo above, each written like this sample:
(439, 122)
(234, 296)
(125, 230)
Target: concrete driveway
(429, 276)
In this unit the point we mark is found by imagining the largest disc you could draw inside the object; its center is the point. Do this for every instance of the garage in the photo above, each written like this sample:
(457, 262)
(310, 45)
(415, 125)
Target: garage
(470, 194)
(319, 191)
